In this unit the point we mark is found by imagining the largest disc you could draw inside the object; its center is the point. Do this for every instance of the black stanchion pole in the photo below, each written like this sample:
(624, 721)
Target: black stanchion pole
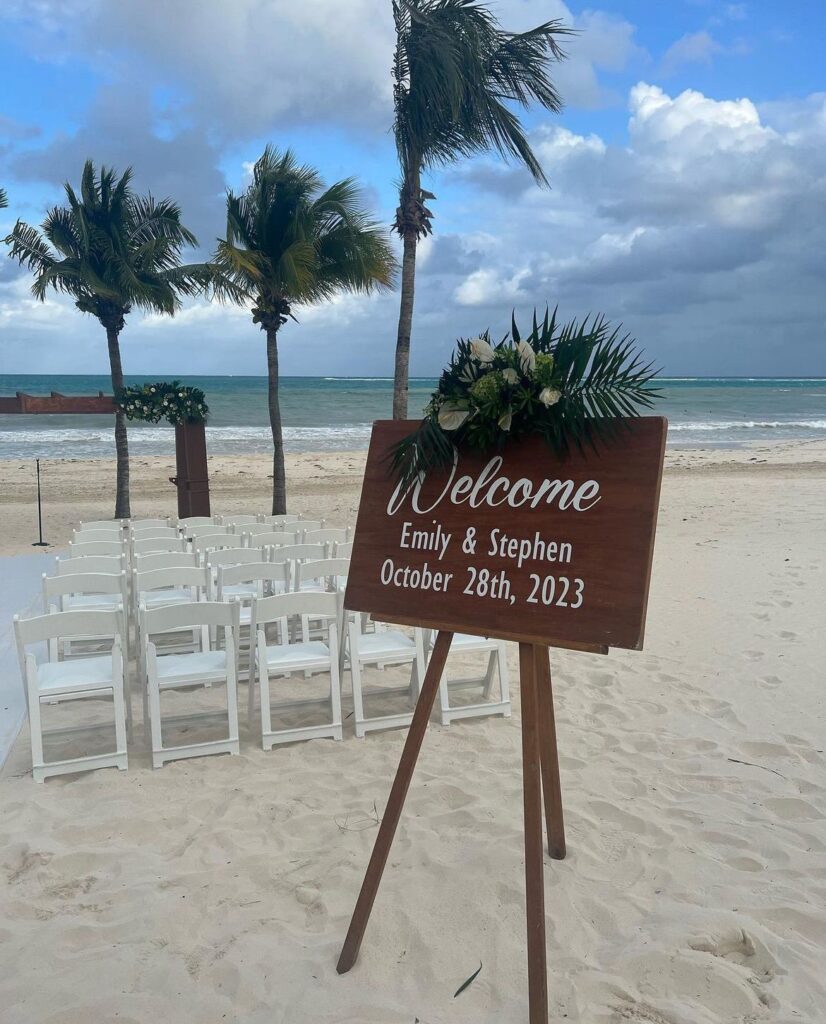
(39, 543)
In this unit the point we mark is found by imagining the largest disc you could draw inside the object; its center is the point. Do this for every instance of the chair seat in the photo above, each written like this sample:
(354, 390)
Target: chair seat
(468, 642)
(91, 602)
(312, 654)
(180, 668)
(173, 595)
(74, 676)
(385, 643)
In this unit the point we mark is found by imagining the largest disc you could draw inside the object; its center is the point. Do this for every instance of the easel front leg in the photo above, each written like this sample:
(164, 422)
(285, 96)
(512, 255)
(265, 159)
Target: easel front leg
(534, 855)
(554, 818)
(395, 803)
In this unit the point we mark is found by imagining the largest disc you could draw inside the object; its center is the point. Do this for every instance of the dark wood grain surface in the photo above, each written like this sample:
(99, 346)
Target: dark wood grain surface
(611, 541)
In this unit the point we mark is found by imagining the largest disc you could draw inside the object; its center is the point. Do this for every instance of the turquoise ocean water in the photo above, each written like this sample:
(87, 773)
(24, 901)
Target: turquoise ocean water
(334, 413)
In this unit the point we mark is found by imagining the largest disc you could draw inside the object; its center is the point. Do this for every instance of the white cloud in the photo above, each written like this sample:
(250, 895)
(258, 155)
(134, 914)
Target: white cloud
(692, 48)
(486, 286)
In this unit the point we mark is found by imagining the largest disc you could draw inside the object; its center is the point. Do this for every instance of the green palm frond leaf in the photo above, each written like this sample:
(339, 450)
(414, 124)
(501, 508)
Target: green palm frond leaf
(574, 384)
(291, 240)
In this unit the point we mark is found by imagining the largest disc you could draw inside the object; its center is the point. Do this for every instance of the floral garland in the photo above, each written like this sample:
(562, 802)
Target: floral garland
(167, 400)
(571, 384)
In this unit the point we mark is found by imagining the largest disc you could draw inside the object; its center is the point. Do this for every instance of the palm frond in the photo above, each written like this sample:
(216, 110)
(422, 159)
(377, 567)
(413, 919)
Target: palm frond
(4, 199)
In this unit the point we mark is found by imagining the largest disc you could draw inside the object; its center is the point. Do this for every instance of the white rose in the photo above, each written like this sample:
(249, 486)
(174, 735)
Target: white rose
(549, 396)
(510, 376)
(527, 357)
(452, 415)
(481, 350)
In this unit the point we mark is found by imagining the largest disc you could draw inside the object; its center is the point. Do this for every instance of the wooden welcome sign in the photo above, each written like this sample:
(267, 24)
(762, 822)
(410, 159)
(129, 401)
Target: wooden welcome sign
(524, 546)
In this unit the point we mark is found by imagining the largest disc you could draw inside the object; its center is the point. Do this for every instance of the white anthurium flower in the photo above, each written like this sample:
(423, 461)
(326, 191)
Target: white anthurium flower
(505, 419)
(510, 376)
(549, 396)
(527, 357)
(452, 415)
(482, 350)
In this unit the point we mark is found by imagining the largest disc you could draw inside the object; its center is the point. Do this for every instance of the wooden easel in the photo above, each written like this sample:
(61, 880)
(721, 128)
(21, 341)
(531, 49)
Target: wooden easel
(540, 769)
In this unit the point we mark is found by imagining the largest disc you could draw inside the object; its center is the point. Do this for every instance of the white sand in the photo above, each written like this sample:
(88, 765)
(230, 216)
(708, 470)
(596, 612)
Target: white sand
(694, 891)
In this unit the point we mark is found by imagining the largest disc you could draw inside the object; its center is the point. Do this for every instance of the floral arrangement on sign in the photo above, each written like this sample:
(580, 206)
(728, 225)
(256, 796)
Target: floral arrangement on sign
(571, 384)
(169, 400)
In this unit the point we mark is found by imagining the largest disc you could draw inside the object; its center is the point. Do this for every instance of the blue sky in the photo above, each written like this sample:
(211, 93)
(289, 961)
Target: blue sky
(688, 176)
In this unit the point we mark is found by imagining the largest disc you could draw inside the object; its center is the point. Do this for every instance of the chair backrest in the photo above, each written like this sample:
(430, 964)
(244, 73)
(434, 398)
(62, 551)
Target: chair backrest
(216, 541)
(311, 524)
(189, 521)
(96, 536)
(91, 563)
(278, 610)
(253, 572)
(152, 532)
(204, 529)
(271, 538)
(251, 529)
(213, 614)
(329, 535)
(137, 526)
(276, 522)
(194, 577)
(79, 549)
(240, 520)
(165, 560)
(302, 552)
(236, 556)
(147, 545)
(110, 525)
(83, 583)
(324, 569)
(343, 549)
(64, 626)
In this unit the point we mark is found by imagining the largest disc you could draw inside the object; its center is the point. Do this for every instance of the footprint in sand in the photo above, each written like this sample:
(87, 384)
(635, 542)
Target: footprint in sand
(739, 947)
(793, 809)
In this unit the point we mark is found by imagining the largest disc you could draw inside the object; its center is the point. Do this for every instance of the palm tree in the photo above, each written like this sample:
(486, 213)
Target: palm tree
(291, 242)
(455, 71)
(111, 250)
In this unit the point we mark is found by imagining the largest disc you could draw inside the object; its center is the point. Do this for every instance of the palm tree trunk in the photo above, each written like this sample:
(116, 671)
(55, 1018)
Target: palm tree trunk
(279, 485)
(400, 379)
(121, 443)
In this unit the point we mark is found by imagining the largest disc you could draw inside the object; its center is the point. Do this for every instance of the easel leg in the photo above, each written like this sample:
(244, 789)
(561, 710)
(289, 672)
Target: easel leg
(532, 796)
(392, 813)
(554, 819)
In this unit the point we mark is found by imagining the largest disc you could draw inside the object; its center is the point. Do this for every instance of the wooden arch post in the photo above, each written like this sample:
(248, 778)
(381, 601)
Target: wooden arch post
(192, 476)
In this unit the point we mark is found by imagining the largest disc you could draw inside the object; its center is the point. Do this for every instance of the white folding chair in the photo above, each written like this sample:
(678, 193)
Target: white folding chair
(84, 592)
(264, 536)
(52, 682)
(165, 560)
(285, 659)
(276, 522)
(95, 536)
(206, 667)
(323, 574)
(296, 553)
(204, 530)
(109, 525)
(80, 549)
(343, 549)
(309, 524)
(138, 526)
(162, 588)
(329, 535)
(497, 670)
(111, 564)
(234, 522)
(381, 648)
(150, 545)
(215, 542)
(153, 532)
(245, 582)
(190, 522)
